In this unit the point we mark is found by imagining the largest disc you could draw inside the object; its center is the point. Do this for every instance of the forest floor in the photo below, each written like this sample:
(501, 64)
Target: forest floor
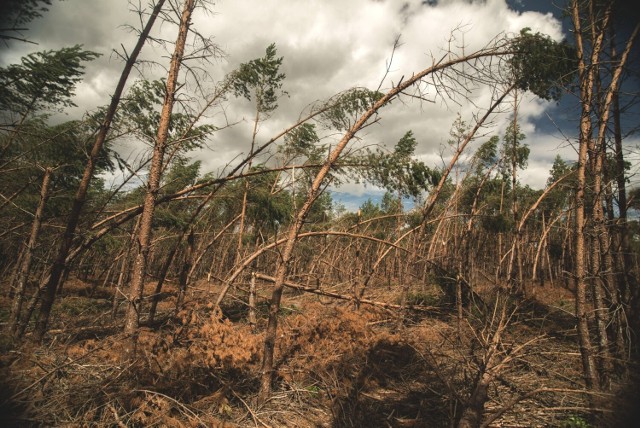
(335, 367)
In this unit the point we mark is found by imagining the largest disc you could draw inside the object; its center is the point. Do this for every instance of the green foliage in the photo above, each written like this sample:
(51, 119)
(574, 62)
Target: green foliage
(634, 198)
(266, 208)
(406, 146)
(42, 80)
(269, 207)
(484, 189)
(26, 156)
(541, 65)
(349, 106)
(176, 215)
(559, 169)
(62, 147)
(20, 12)
(142, 103)
(140, 111)
(458, 133)
(390, 204)
(301, 142)
(261, 79)
(514, 152)
(302, 146)
(419, 298)
(385, 227)
(574, 422)
(398, 171)
(182, 174)
(321, 210)
(313, 389)
(17, 13)
(486, 155)
(559, 196)
(498, 223)
(369, 209)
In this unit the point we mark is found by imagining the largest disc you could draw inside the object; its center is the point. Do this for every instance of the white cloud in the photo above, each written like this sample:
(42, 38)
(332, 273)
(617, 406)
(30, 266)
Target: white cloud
(328, 46)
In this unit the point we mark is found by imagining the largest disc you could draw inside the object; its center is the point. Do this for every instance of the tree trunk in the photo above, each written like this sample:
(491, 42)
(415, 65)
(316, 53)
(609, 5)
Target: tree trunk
(515, 260)
(162, 276)
(626, 280)
(184, 271)
(252, 302)
(144, 236)
(20, 284)
(599, 245)
(245, 194)
(282, 265)
(81, 195)
(586, 94)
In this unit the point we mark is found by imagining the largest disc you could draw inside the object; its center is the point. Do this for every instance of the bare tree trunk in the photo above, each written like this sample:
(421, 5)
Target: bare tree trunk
(162, 276)
(144, 236)
(515, 260)
(599, 246)
(500, 236)
(435, 193)
(20, 284)
(586, 94)
(81, 195)
(243, 211)
(209, 244)
(490, 367)
(542, 246)
(15, 271)
(125, 268)
(252, 302)
(600, 146)
(282, 265)
(184, 271)
(626, 280)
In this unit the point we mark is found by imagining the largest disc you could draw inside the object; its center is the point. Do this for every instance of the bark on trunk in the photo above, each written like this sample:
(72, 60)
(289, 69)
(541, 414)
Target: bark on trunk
(184, 271)
(59, 264)
(252, 302)
(586, 94)
(20, 284)
(143, 239)
(282, 266)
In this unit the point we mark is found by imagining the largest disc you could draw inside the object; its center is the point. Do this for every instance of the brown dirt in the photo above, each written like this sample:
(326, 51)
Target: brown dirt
(336, 367)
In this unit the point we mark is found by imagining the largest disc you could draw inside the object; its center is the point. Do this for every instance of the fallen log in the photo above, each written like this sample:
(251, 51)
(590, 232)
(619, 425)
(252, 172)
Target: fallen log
(293, 285)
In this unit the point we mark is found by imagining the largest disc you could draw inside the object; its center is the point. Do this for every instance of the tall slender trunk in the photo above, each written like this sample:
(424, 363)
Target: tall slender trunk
(599, 245)
(586, 94)
(162, 276)
(144, 236)
(124, 269)
(185, 269)
(500, 235)
(626, 280)
(253, 320)
(22, 276)
(515, 261)
(245, 193)
(282, 265)
(59, 264)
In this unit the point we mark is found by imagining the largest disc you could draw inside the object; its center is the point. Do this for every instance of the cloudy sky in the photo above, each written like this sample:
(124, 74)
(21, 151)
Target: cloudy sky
(328, 46)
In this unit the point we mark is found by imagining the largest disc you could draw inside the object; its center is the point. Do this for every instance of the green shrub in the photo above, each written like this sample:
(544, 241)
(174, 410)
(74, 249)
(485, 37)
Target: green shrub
(418, 298)
(574, 422)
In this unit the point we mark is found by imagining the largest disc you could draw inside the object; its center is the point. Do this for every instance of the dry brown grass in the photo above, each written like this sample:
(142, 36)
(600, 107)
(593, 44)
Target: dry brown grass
(335, 367)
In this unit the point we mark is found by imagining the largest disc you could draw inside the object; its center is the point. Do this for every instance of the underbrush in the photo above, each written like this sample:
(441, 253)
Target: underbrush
(201, 369)
(335, 367)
